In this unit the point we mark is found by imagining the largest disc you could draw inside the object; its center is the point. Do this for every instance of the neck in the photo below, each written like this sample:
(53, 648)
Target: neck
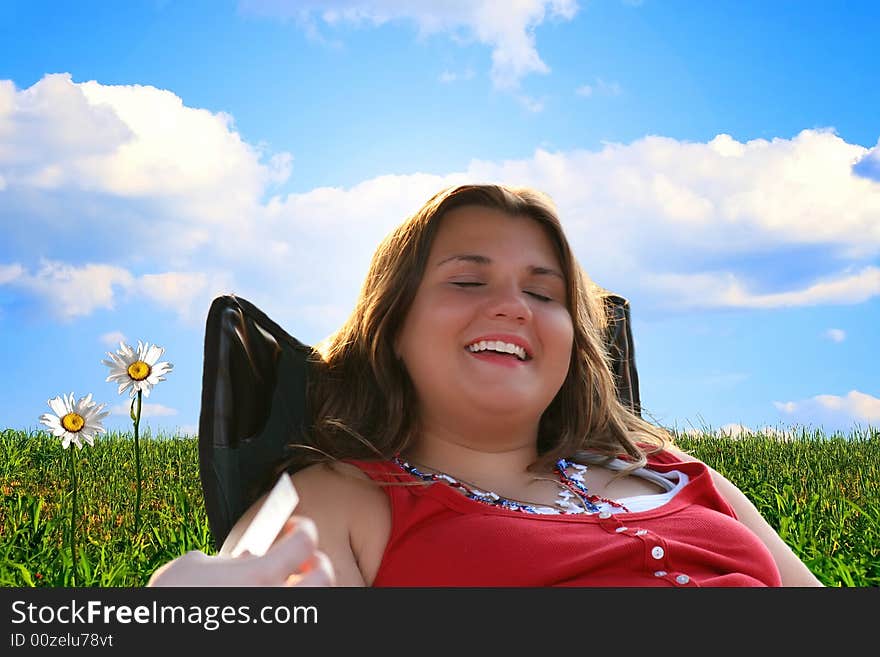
(484, 460)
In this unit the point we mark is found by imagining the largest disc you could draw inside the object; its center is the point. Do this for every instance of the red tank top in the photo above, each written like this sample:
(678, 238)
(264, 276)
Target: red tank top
(439, 537)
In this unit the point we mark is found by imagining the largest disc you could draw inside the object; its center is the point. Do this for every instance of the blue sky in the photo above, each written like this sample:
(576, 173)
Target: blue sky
(716, 163)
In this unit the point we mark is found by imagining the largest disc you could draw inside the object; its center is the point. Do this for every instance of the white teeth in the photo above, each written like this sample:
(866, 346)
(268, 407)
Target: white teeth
(495, 345)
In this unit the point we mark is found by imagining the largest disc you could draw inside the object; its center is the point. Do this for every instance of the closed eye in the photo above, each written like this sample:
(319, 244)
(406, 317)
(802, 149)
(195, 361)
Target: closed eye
(539, 297)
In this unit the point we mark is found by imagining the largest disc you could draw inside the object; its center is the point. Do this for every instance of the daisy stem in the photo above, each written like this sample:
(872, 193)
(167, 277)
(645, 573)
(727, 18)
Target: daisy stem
(137, 459)
(73, 513)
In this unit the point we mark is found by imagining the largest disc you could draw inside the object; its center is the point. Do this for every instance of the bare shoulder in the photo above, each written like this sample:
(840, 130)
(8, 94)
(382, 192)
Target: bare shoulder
(351, 513)
(674, 449)
(329, 478)
(329, 486)
(724, 485)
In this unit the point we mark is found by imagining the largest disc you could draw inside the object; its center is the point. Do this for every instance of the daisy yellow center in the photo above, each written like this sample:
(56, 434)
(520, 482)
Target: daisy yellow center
(139, 370)
(73, 422)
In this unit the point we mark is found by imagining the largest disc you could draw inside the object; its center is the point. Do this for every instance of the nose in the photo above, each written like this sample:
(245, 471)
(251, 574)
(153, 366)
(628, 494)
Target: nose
(508, 301)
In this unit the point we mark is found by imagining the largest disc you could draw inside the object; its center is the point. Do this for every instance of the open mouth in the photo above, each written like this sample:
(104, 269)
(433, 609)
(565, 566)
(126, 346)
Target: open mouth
(511, 360)
(499, 348)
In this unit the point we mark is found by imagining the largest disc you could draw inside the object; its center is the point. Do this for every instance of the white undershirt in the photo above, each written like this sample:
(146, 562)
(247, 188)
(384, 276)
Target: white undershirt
(672, 481)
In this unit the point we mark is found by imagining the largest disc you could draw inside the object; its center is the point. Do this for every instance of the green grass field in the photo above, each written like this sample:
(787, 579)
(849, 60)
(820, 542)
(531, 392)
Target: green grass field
(821, 493)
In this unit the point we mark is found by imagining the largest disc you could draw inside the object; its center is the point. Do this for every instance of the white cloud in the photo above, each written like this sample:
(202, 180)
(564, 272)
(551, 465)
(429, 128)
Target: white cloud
(726, 290)
(69, 291)
(174, 149)
(855, 406)
(147, 410)
(187, 430)
(186, 293)
(9, 273)
(508, 28)
(868, 166)
(779, 433)
(599, 88)
(146, 163)
(798, 191)
(737, 430)
(531, 104)
(727, 146)
(48, 127)
(447, 77)
(112, 339)
(72, 292)
(734, 430)
(836, 335)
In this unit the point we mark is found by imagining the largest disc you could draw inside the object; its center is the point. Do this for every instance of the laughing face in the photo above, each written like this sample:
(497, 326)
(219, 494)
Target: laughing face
(488, 331)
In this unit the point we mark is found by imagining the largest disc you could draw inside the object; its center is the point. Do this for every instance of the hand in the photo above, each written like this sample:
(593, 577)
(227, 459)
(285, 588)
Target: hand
(293, 560)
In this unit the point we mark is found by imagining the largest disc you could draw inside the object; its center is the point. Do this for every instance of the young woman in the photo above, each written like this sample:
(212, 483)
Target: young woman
(467, 432)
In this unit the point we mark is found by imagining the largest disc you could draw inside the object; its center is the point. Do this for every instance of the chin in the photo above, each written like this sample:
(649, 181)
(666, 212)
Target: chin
(505, 404)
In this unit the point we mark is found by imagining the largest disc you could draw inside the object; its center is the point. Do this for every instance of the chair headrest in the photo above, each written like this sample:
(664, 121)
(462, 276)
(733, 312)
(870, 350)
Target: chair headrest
(253, 405)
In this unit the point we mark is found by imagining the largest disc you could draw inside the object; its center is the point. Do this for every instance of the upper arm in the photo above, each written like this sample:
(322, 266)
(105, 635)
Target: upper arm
(792, 570)
(325, 498)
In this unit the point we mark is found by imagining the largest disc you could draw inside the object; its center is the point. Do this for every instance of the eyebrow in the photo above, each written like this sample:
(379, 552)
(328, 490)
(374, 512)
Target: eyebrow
(484, 260)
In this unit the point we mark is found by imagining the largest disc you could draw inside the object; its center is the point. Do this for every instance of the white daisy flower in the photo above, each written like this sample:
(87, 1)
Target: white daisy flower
(137, 369)
(75, 422)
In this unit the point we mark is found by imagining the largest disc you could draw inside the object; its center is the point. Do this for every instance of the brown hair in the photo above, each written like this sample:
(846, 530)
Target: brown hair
(361, 400)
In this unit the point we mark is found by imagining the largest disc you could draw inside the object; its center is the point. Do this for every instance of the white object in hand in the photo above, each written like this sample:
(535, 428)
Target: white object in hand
(270, 517)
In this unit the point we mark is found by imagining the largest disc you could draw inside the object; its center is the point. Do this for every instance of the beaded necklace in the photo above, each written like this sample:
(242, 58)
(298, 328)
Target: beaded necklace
(574, 488)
